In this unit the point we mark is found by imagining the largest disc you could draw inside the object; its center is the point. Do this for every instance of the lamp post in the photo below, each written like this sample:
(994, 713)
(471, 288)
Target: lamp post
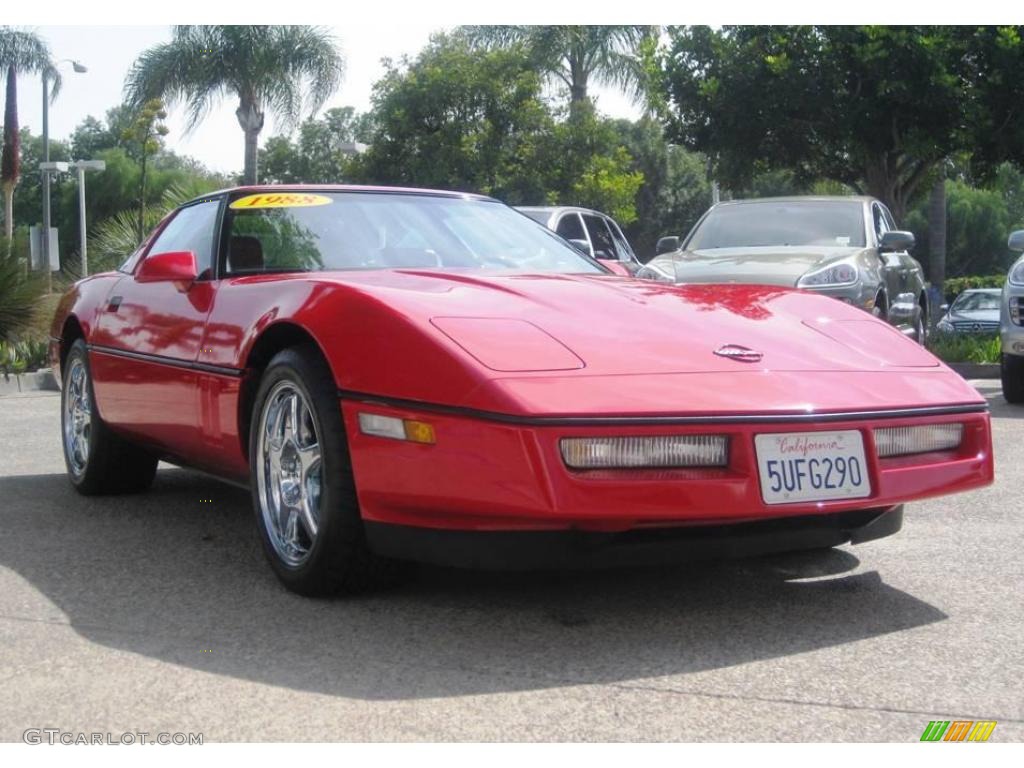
(45, 235)
(81, 166)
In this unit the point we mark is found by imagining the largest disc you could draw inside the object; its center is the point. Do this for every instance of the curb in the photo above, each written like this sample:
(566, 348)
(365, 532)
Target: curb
(39, 381)
(976, 370)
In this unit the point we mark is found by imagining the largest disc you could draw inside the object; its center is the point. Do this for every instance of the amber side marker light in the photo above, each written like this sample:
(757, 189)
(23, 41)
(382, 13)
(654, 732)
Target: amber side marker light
(397, 429)
(927, 438)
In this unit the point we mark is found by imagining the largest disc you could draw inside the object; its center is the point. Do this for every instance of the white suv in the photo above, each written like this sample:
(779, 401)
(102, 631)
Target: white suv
(1011, 325)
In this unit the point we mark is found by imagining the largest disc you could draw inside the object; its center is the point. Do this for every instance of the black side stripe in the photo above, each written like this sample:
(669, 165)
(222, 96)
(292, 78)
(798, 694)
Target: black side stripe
(584, 421)
(219, 370)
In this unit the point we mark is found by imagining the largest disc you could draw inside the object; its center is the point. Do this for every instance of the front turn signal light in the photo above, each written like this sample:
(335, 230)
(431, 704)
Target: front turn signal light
(397, 429)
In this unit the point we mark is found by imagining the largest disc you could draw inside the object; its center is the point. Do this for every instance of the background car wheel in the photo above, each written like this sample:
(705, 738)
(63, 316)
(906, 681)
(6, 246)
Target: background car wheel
(303, 489)
(1012, 370)
(98, 461)
(921, 328)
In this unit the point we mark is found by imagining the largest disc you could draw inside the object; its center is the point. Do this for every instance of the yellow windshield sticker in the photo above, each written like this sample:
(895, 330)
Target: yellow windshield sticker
(280, 200)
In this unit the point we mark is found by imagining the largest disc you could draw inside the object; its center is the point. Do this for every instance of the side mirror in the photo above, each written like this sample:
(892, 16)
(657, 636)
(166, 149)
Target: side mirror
(897, 240)
(169, 267)
(581, 245)
(666, 245)
(1016, 241)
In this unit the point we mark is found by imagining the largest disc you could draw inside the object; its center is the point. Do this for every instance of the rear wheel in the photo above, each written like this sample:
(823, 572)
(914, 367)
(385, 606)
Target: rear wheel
(303, 488)
(921, 327)
(1012, 370)
(97, 460)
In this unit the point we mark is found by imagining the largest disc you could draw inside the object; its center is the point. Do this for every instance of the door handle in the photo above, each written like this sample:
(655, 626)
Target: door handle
(114, 304)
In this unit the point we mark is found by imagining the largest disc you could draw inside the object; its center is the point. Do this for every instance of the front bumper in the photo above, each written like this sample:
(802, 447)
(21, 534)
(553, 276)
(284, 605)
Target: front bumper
(520, 550)
(486, 474)
(1010, 334)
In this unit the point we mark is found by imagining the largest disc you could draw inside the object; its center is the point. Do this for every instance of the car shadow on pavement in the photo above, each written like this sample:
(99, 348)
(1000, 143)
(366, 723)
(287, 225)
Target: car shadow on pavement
(178, 575)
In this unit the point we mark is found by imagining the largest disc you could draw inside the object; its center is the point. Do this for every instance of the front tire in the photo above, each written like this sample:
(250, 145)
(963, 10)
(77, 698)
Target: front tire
(1012, 374)
(303, 488)
(97, 460)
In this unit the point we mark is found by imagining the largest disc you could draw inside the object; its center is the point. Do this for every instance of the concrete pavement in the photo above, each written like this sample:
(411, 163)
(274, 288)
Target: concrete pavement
(158, 613)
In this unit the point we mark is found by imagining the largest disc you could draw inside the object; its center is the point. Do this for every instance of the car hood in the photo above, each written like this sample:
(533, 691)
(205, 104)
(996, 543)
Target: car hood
(604, 344)
(608, 325)
(974, 316)
(766, 266)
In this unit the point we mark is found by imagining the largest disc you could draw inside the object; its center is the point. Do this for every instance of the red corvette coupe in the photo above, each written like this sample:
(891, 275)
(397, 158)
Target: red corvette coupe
(401, 374)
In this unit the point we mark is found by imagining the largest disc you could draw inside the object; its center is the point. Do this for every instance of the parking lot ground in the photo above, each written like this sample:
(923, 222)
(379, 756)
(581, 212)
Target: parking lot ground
(158, 613)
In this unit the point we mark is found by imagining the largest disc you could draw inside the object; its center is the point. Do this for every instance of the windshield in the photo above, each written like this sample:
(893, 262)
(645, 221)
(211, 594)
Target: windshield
(303, 232)
(765, 224)
(970, 302)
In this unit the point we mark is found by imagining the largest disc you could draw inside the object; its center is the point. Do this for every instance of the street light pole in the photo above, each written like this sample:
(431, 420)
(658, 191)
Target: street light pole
(81, 166)
(45, 234)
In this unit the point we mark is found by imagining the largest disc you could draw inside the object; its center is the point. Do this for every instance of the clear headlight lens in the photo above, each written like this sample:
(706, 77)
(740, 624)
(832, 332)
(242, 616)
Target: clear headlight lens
(1017, 273)
(652, 272)
(944, 326)
(843, 273)
(1016, 305)
(900, 441)
(636, 452)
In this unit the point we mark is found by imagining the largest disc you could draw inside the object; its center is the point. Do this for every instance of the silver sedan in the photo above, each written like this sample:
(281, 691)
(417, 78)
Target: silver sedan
(845, 247)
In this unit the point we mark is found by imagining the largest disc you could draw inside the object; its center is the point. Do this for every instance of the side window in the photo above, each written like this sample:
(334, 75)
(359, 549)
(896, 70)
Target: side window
(888, 218)
(600, 237)
(570, 227)
(881, 226)
(191, 229)
(621, 243)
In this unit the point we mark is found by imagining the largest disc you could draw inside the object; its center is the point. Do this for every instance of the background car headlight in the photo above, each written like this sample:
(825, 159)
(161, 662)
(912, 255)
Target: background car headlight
(900, 441)
(654, 451)
(944, 326)
(1017, 273)
(651, 272)
(843, 273)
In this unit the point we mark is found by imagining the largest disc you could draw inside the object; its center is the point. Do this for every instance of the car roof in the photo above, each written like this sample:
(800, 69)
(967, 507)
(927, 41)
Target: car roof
(257, 188)
(552, 209)
(804, 199)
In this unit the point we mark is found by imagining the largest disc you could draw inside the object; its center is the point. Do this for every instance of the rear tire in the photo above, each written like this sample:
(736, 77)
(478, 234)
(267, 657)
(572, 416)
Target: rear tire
(921, 328)
(1012, 374)
(97, 460)
(303, 488)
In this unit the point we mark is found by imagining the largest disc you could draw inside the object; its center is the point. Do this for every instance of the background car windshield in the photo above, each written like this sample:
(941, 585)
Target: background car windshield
(755, 225)
(352, 230)
(971, 302)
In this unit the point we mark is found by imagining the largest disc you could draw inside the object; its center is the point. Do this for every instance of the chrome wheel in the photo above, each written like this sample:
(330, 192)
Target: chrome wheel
(77, 416)
(289, 473)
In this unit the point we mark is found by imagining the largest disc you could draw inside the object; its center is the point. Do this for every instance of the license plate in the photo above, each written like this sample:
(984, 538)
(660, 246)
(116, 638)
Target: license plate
(812, 466)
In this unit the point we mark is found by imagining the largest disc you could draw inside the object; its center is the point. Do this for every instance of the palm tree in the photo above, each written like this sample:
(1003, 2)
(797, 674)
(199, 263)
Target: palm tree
(20, 51)
(576, 54)
(277, 68)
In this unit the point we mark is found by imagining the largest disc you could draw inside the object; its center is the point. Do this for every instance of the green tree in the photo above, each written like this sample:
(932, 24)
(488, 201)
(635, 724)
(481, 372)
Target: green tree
(146, 135)
(277, 68)
(20, 51)
(460, 118)
(575, 55)
(321, 153)
(875, 108)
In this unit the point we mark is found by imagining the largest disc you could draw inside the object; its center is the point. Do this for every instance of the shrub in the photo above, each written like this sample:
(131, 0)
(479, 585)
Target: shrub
(962, 348)
(957, 285)
(19, 295)
(22, 356)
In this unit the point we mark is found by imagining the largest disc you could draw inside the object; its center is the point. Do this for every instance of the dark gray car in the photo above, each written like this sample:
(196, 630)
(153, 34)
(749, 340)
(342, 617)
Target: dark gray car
(844, 247)
(976, 310)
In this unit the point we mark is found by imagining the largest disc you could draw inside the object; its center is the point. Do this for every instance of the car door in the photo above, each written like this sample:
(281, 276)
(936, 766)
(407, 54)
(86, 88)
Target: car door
(891, 263)
(148, 336)
(622, 246)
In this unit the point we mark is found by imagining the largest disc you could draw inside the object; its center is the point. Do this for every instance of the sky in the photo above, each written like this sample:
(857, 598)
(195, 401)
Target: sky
(110, 51)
